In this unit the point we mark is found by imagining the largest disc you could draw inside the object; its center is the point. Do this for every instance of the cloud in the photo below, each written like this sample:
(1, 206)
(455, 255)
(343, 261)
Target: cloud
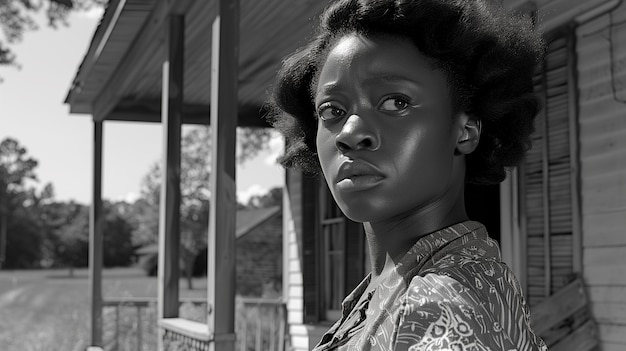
(255, 189)
(276, 146)
(130, 197)
(95, 12)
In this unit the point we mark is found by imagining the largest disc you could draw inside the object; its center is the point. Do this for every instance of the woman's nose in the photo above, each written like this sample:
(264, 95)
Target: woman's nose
(356, 135)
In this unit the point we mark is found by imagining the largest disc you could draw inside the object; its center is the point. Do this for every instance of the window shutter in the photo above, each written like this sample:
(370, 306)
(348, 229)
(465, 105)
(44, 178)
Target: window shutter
(310, 243)
(546, 178)
(355, 255)
(332, 255)
(341, 256)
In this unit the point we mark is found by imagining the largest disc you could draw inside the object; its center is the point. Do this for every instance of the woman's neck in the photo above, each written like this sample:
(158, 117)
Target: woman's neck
(394, 237)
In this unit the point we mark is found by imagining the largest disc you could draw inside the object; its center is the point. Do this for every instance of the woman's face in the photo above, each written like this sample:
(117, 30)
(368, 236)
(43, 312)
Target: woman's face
(386, 133)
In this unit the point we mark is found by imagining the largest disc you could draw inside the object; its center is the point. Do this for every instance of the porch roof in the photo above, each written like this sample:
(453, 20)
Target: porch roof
(120, 77)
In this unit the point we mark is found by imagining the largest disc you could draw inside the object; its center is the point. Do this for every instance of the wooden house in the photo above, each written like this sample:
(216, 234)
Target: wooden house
(258, 242)
(561, 213)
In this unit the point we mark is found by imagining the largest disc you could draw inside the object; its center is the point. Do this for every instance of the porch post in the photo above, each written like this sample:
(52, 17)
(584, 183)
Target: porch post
(96, 227)
(221, 243)
(169, 208)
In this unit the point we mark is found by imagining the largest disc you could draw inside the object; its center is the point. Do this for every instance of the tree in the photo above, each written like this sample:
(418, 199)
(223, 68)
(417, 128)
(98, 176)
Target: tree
(72, 236)
(57, 218)
(118, 247)
(274, 197)
(72, 240)
(16, 170)
(195, 193)
(17, 17)
(194, 182)
(24, 238)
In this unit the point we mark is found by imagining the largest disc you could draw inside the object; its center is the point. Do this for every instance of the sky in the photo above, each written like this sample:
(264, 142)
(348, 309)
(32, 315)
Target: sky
(32, 111)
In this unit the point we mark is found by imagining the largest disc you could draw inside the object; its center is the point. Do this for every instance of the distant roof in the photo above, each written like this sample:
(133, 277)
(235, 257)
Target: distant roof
(120, 77)
(247, 219)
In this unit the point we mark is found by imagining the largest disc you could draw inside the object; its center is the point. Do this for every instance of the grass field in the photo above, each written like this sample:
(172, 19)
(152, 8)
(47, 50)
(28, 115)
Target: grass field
(48, 310)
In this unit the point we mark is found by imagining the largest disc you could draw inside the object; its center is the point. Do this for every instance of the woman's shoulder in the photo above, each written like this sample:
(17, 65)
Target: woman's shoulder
(478, 303)
(468, 280)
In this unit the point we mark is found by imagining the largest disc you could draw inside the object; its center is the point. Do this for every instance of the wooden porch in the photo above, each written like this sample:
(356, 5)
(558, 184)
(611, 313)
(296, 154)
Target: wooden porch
(176, 62)
(172, 62)
(260, 325)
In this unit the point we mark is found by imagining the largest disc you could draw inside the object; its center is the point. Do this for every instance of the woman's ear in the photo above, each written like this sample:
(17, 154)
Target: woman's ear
(470, 129)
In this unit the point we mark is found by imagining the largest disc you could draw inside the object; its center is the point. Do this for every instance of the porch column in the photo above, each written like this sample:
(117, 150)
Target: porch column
(96, 228)
(169, 209)
(221, 243)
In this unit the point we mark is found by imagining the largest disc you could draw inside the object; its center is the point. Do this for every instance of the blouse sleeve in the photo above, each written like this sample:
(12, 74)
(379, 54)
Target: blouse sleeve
(475, 310)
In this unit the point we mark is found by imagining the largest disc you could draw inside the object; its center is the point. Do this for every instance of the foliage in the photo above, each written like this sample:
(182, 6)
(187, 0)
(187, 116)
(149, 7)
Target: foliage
(251, 142)
(41, 232)
(194, 180)
(24, 239)
(16, 192)
(72, 239)
(274, 197)
(118, 247)
(58, 220)
(194, 187)
(17, 17)
(16, 167)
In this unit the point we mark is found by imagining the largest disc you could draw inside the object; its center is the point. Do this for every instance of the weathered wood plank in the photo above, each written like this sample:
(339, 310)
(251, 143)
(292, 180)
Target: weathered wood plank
(604, 229)
(612, 333)
(558, 307)
(609, 313)
(169, 208)
(582, 339)
(606, 275)
(605, 256)
(224, 111)
(610, 346)
(605, 144)
(136, 56)
(295, 291)
(607, 294)
(602, 196)
(599, 164)
(96, 235)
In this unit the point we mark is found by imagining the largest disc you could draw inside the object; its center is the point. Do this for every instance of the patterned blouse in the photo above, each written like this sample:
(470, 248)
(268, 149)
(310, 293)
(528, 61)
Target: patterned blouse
(450, 291)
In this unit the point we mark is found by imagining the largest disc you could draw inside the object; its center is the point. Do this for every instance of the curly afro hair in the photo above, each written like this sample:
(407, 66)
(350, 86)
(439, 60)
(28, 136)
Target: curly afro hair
(488, 55)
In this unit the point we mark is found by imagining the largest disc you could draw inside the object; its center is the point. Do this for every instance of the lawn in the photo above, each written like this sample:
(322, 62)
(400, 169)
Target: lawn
(48, 310)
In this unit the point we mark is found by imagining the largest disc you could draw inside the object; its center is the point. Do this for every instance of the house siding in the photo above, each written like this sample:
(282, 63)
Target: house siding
(600, 140)
(601, 64)
(294, 288)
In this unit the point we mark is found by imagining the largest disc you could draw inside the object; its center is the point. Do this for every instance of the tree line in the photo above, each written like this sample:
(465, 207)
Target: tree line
(38, 231)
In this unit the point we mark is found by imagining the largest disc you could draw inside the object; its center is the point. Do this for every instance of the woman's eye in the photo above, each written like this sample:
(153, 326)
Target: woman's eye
(329, 112)
(395, 103)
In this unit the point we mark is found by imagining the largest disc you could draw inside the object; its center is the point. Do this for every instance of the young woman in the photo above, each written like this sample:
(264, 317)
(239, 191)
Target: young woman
(399, 103)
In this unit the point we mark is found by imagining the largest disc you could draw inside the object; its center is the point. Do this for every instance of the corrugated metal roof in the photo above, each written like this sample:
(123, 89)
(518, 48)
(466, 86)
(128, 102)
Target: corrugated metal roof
(269, 30)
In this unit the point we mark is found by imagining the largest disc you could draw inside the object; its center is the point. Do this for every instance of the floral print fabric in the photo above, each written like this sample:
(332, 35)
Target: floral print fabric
(450, 291)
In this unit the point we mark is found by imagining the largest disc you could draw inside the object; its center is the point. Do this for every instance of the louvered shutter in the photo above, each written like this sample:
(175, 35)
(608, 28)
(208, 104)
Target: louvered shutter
(546, 178)
(310, 247)
(332, 255)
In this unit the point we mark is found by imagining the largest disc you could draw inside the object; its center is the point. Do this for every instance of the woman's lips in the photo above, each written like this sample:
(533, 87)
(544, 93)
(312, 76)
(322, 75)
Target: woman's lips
(358, 182)
(357, 175)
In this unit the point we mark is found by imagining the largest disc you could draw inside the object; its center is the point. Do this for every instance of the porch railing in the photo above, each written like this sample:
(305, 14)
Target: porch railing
(132, 324)
(261, 324)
